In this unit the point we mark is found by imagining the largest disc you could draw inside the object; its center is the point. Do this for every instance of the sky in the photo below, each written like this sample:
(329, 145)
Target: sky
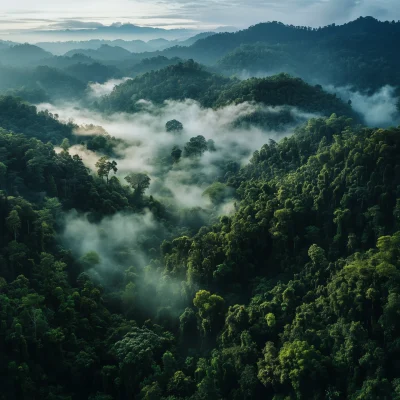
(203, 15)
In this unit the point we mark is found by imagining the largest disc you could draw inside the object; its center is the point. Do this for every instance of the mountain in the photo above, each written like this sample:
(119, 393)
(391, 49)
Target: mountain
(175, 82)
(116, 31)
(160, 44)
(194, 39)
(55, 83)
(226, 29)
(362, 53)
(95, 72)
(191, 80)
(151, 64)
(23, 54)
(63, 62)
(195, 256)
(19, 117)
(136, 46)
(104, 53)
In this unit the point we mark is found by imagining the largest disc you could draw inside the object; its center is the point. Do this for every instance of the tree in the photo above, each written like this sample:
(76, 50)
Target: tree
(105, 166)
(180, 385)
(90, 260)
(211, 145)
(196, 146)
(211, 310)
(3, 170)
(176, 154)
(271, 320)
(217, 192)
(139, 182)
(65, 145)
(13, 223)
(174, 126)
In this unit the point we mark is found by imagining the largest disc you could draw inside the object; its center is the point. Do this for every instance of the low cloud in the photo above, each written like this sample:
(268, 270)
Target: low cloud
(378, 109)
(109, 238)
(98, 90)
(147, 146)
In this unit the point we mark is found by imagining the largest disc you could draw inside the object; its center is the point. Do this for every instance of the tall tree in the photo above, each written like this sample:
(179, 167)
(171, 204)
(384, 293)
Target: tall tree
(105, 166)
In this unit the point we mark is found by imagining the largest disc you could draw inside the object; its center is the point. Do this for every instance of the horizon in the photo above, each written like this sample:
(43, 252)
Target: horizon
(103, 32)
(18, 21)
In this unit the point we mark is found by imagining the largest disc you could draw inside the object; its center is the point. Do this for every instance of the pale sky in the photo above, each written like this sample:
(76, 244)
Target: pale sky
(200, 14)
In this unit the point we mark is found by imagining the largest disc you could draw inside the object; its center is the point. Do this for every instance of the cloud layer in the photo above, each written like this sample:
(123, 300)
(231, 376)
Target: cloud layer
(203, 15)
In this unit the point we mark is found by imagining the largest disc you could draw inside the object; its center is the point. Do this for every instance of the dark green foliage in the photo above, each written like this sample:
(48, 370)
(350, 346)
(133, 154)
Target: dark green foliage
(95, 72)
(174, 126)
(20, 117)
(104, 53)
(196, 147)
(282, 89)
(176, 82)
(23, 54)
(55, 83)
(151, 64)
(293, 295)
(191, 81)
(358, 53)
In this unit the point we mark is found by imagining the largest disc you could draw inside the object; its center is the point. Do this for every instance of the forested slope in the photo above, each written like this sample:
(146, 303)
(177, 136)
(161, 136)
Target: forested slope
(294, 295)
(190, 80)
(361, 53)
(174, 262)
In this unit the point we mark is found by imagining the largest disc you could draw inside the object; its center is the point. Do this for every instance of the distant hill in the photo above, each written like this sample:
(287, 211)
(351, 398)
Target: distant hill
(190, 80)
(160, 44)
(117, 31)
(104, 53)
(19, 117)
(151, 64)
(60, 48)
(41, 80)
(23, 54)
(175, 82)
(95, 72)
(194, 39)
(64, 62)
(363, 53)
(134, 46)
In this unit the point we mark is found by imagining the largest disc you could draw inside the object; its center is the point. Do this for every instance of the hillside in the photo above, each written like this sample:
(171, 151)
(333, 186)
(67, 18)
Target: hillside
(51, 81)
(24, 54)
(190, 80)
(175, 82)
(349, 54)
(305, 269)
(104, 53)
(151, 64)
(19, 117)
(224, 230)
(95, 72)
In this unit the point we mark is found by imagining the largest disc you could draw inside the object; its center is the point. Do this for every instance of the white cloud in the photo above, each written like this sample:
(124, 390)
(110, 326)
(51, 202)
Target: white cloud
(378, 109)
(203, 14)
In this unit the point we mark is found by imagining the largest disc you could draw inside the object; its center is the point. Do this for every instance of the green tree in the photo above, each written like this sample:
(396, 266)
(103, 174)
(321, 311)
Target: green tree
(65, 145)
(211, 309)
(105, 166)
(176, 154)
(13, 223)
(139, 182)
(195, 147)
(174, 126)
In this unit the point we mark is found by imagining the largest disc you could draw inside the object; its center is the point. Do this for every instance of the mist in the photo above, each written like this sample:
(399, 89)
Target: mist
(118, 240)
(378, 109)
(147, 146)
(97, 90)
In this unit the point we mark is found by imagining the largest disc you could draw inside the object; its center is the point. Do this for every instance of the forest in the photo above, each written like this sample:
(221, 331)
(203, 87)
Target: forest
(215, 220)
